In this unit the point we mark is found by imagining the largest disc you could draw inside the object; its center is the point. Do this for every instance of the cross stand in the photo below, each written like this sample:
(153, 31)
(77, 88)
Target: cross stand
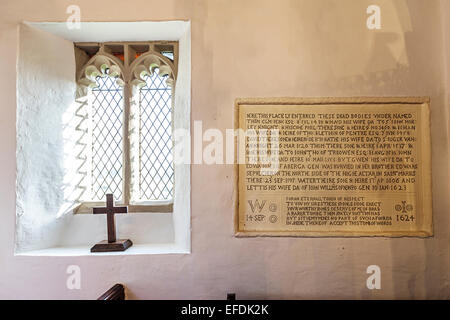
(112, 244)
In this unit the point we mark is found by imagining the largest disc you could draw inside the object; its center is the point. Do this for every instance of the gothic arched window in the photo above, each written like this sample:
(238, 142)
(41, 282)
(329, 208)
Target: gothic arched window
(128, 109)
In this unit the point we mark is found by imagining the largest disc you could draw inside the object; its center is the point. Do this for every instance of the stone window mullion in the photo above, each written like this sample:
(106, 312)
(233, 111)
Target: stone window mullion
(126, 144)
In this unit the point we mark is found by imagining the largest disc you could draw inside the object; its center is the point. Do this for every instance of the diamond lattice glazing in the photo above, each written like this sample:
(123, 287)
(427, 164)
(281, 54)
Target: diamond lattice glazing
(156, 178)
(107, 139)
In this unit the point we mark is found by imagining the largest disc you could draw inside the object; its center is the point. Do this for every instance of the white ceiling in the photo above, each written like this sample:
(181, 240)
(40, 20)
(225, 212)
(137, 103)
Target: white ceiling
(116, 31)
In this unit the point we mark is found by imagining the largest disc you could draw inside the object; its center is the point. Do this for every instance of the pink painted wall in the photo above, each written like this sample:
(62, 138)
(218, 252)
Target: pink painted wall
(257, 48)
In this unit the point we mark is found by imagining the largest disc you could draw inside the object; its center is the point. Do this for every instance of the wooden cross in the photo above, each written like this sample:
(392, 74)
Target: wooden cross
(112, 244)
(110, 211)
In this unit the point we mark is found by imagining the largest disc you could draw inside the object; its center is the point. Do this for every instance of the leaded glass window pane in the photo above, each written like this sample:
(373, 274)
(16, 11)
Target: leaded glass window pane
(107, 139)
(156, 176)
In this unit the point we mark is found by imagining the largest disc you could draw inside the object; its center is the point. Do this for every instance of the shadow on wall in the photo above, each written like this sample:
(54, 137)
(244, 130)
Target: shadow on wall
(345, 56)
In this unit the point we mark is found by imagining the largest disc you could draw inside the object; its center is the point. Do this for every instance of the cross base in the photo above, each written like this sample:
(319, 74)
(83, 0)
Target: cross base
(105, 246)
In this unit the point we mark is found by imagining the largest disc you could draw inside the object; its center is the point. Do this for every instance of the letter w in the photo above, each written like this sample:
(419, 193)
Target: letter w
(257, 205)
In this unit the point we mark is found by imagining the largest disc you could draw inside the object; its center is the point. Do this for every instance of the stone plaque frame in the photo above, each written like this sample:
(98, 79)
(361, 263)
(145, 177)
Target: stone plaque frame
(425, 229)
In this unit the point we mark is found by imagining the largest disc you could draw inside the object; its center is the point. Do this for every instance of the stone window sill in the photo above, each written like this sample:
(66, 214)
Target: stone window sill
(136, 249)
(143, 207)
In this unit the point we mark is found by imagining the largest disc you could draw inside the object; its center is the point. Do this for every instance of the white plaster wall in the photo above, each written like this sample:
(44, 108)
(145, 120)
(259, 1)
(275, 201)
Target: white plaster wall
(257, 48)
(45, 86)
(182, 117)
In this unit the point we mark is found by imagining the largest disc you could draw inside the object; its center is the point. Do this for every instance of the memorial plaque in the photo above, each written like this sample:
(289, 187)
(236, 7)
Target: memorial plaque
(333, 167)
